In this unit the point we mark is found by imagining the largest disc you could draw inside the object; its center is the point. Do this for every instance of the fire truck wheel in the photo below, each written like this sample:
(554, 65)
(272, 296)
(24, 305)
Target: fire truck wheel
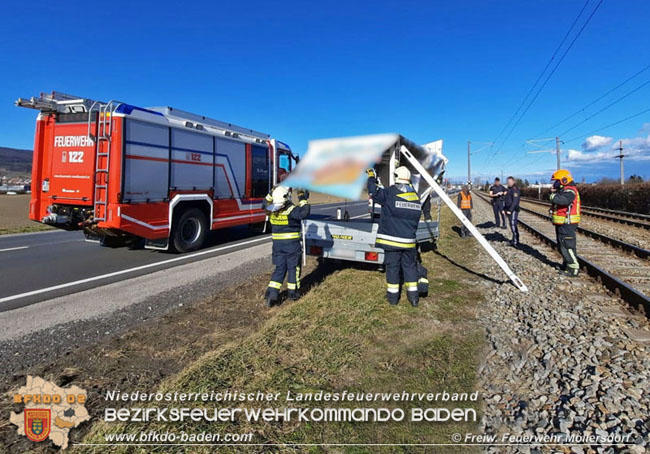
(189, 230)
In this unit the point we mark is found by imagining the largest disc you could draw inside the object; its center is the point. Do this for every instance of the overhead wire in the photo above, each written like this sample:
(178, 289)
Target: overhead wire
(595, 101)
(606, 107)
(548, 77)
(608, 126)
(548, 64)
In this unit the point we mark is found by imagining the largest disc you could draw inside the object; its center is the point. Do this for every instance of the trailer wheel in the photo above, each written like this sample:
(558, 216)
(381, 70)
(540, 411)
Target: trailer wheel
(189, 230)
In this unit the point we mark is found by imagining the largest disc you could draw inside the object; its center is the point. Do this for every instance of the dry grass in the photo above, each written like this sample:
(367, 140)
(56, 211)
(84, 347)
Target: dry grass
(14, 215)
(342, 335)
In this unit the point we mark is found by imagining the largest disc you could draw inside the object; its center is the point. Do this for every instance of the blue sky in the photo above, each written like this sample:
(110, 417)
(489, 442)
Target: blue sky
(304, 70)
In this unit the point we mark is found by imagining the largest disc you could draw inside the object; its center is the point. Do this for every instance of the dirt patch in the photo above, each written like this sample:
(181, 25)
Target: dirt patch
(14, 215)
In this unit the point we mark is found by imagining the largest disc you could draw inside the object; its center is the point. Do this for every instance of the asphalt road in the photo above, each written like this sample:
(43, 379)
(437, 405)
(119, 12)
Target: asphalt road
(40, 266)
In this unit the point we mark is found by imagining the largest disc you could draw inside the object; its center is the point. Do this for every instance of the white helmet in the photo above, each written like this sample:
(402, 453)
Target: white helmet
(280, 195)
(402, 175)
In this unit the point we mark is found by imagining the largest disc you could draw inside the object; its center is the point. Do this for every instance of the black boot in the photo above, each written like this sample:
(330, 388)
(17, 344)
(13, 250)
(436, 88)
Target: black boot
(294, 295)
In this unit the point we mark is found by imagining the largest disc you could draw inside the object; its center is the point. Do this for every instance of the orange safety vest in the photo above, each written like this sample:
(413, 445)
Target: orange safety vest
(567, 214)
(465, 201)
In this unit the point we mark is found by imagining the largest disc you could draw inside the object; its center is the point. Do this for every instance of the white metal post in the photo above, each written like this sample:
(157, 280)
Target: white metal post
(459, 214)
(304, 243)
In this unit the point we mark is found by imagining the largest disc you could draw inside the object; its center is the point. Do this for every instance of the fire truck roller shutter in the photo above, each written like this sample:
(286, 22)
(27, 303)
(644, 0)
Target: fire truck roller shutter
(146, 162)
(230, 171)
(192, 160)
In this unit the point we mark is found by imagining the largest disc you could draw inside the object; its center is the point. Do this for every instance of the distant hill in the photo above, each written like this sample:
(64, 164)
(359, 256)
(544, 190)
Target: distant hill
(15, 162)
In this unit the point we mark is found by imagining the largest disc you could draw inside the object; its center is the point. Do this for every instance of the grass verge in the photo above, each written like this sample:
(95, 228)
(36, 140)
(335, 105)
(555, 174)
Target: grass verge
(341, 336)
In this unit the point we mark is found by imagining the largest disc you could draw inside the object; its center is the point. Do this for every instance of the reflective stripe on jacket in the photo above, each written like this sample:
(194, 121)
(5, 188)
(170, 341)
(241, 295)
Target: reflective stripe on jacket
(400, 215)
(286, 224)
(566, 206)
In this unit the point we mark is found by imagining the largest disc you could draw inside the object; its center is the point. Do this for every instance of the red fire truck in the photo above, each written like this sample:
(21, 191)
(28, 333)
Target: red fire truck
(121, 172)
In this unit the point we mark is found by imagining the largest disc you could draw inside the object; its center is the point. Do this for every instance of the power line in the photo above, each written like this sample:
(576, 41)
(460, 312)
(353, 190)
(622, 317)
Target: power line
(609, 125)
(566, 35)
(594, 101)
(551, 73)
(607, 107)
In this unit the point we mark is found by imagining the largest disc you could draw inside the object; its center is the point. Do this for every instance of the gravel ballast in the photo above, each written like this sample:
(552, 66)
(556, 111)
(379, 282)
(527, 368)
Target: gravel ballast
(565, 359)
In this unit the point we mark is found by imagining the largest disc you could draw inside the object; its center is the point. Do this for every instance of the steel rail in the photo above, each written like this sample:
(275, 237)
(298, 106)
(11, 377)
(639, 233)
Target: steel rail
(630, 295)
(601, 213)
(627, 247)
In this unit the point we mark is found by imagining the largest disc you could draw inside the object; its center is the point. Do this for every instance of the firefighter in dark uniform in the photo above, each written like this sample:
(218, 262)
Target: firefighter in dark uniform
(400, 215)
(565, 212)
(511, 207)
(286, 225)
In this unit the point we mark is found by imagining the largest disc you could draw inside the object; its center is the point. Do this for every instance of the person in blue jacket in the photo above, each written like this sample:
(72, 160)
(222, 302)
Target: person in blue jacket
(286, 225)
(398, 223)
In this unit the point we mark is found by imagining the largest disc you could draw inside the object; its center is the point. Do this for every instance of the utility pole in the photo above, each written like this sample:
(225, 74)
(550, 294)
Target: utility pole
(620, 156)
(557, 151)
(469, 163)
(469, 159)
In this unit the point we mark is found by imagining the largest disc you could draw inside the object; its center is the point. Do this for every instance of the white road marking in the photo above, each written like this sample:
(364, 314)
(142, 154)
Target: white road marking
(130, 270)
(361, 216)
(13, 248)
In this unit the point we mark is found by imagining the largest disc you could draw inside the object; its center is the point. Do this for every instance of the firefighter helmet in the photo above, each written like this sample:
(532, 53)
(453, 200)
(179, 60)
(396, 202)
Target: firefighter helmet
(563, 176)
(402, 175)
(278, 200)
(280, 195)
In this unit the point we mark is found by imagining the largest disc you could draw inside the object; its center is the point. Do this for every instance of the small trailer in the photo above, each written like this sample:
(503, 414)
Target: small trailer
(336, 166)
(354, 240)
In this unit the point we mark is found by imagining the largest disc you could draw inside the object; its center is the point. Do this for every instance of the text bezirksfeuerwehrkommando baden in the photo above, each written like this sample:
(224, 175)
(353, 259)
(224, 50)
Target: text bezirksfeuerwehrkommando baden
(289, 396)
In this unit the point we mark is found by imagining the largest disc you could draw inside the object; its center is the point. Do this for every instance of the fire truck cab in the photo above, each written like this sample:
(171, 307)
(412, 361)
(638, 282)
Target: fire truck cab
(121, 172)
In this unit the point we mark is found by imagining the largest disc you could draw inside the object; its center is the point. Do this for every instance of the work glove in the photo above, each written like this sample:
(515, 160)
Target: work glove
(303, 194)
(371, 173)
(269, 198)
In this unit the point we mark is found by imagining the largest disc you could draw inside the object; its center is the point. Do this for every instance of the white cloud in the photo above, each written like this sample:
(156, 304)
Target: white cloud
(595, 142)
(578, 155)
(600, 148)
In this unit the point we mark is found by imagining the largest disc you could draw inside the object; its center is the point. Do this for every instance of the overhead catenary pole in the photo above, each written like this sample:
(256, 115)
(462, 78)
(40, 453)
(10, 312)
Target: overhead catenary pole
(620, 156)
(469, 163)
(557, 152)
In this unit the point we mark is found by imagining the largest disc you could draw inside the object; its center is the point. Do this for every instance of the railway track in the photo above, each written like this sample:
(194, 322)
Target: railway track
(621, 267)
(639, 220)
